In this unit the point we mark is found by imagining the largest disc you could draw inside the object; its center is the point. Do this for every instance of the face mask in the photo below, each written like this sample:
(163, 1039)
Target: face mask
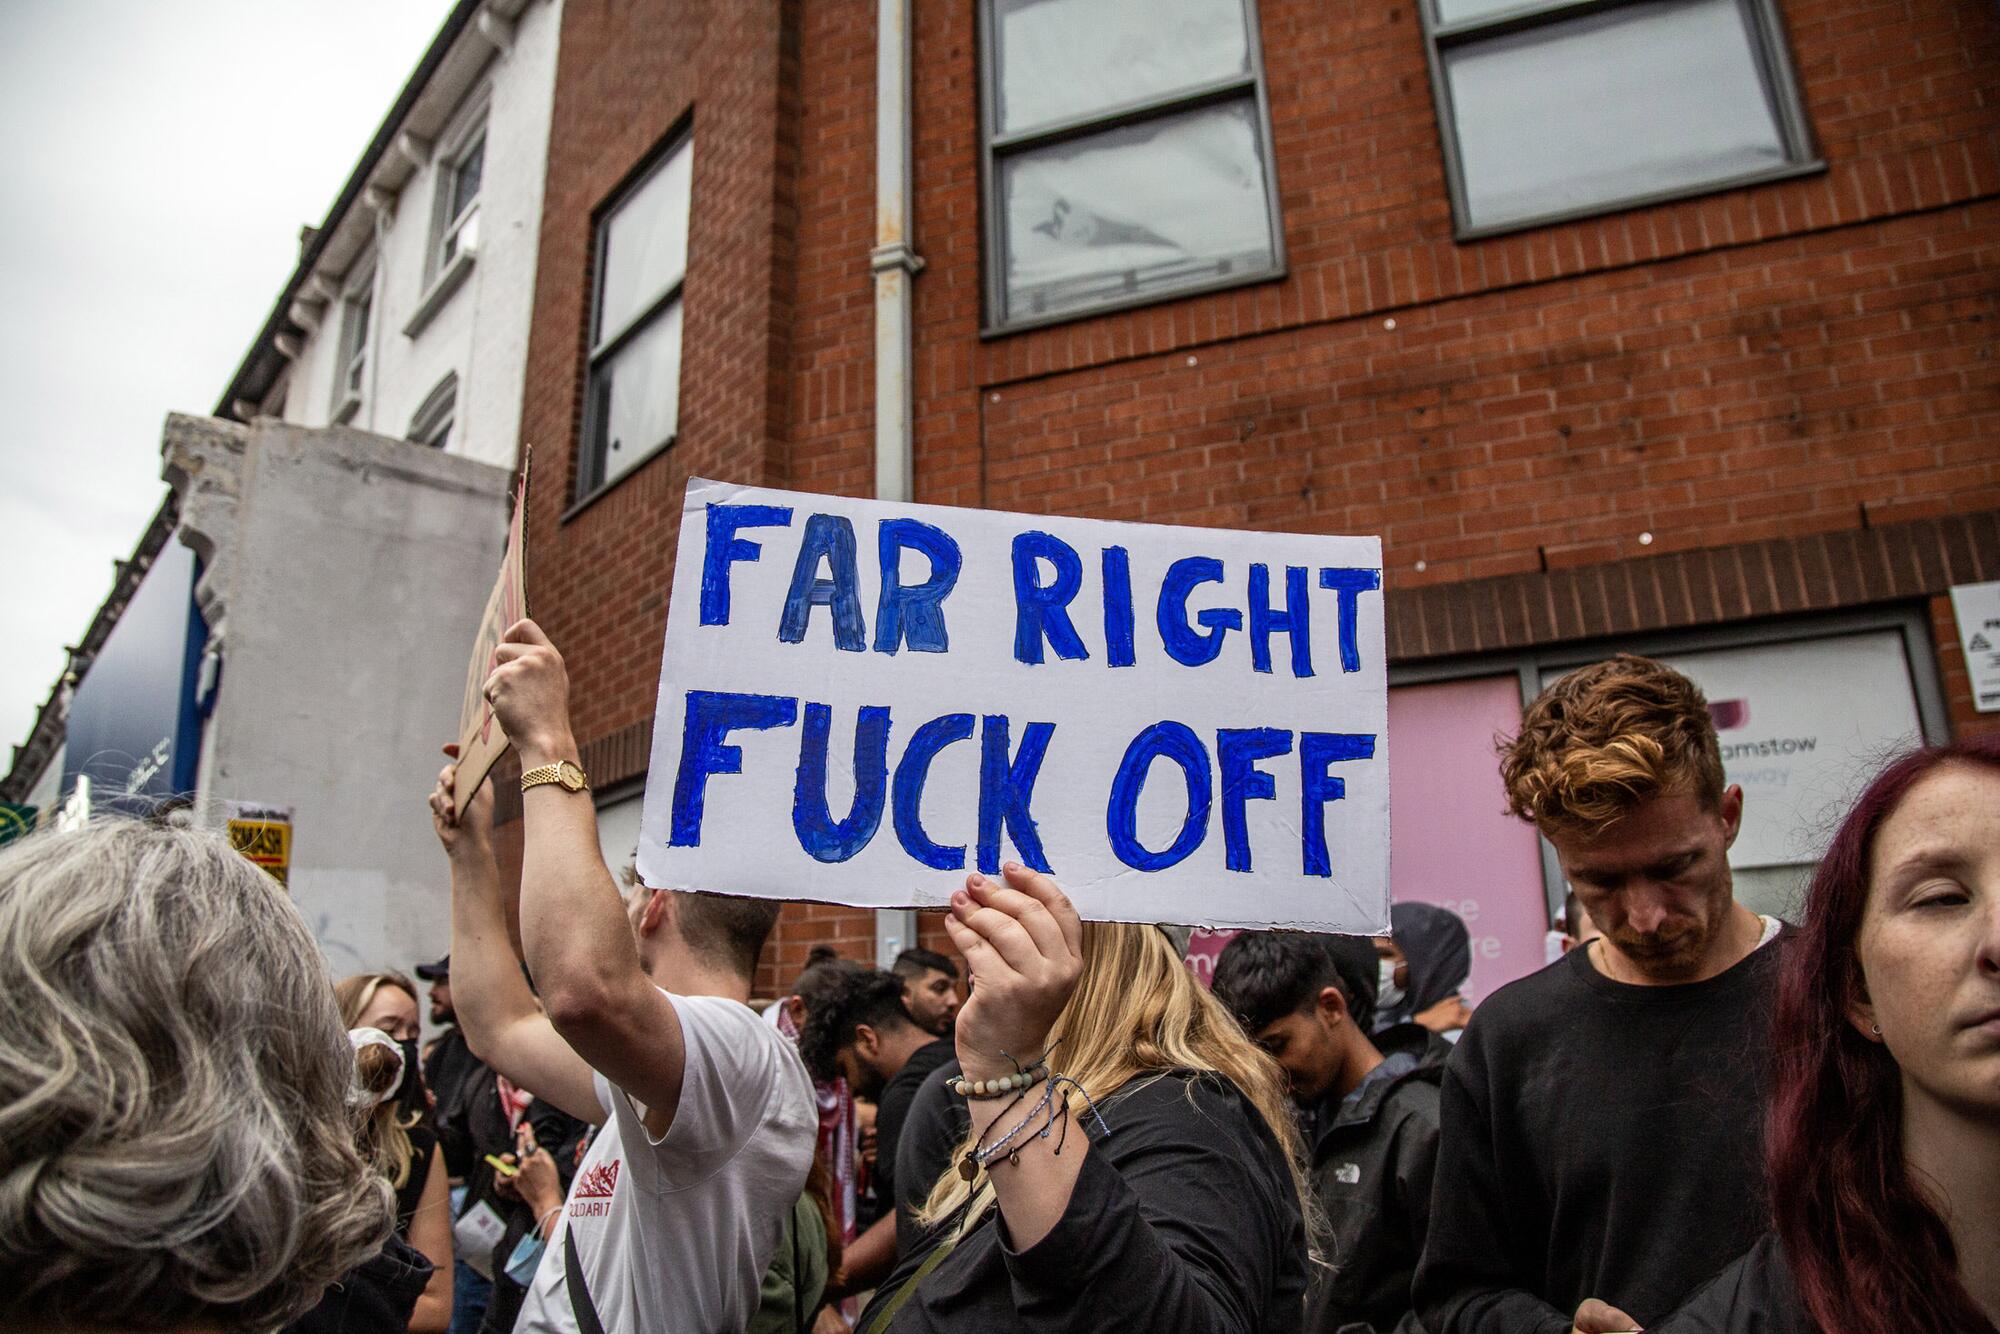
(410, 1093)
(1387, 994)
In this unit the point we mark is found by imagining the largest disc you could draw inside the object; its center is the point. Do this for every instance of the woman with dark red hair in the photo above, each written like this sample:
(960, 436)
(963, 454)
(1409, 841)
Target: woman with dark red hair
(1884, 1146)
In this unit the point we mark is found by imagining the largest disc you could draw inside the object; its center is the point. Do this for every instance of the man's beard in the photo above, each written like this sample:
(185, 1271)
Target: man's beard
(1676, 949)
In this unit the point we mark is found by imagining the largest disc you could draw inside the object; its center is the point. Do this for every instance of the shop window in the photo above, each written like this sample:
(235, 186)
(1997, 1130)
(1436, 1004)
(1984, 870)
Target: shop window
(1556, 109)
(1803, 726)
(1128, 155)
(1451, 840)
(632, 406)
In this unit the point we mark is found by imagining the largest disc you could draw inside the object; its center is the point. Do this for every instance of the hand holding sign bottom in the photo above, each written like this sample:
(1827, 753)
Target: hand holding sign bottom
(1023, 947)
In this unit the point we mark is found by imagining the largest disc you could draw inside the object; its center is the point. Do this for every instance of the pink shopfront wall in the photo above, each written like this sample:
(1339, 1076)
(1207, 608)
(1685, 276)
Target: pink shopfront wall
(1451, 841)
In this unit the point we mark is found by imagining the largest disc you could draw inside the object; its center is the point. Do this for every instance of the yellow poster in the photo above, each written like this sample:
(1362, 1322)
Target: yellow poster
(263, 834)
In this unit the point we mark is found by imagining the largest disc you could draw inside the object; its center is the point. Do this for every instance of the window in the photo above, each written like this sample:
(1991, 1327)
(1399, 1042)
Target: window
(1128, 155)
(1555, 109)
(459, 173)
(351, 370)
(632, 408)
(437, 417)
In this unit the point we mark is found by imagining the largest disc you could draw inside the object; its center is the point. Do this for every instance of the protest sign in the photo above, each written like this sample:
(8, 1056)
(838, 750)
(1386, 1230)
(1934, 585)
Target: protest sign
(481, 739)
(860, 701)
(263, 834)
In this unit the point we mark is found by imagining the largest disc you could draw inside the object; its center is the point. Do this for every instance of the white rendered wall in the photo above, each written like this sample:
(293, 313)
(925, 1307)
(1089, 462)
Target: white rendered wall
(345, 575)
(480, 333)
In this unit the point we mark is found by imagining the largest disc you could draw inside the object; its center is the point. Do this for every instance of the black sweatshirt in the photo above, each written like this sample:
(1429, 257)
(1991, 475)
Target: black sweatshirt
(892, 1110)
(1597, 1140)
(1183, 1220)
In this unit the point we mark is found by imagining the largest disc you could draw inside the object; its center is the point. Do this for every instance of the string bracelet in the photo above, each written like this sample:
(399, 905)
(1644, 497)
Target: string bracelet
(982, 1153)
(1057, 1110)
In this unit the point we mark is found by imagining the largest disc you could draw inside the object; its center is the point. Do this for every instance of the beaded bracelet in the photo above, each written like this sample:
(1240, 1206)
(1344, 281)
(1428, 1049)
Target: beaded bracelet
(1018, 1082)
(1023, 1078)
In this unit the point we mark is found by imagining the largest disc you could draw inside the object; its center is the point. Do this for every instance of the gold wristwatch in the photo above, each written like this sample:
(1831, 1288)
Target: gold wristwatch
(570, 776)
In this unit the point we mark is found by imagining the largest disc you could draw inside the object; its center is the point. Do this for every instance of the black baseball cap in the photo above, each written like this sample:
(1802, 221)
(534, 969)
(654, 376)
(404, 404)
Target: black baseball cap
(435, 972)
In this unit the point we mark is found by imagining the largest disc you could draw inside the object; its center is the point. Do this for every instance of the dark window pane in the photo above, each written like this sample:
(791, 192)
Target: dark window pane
(465, 180)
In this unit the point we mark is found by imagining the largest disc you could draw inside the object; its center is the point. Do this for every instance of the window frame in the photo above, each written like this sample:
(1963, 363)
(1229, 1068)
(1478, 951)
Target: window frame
(1771, 51)
(993, 147)
(352, 350)
(438, 410)
(590, 479)
(446, 227)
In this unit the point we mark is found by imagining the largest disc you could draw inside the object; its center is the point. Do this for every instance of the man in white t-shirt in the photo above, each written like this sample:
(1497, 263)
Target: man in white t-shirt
(707, 1114)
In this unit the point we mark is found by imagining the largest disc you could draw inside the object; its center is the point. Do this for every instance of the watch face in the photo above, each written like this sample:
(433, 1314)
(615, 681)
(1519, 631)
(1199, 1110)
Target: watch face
(570, 776)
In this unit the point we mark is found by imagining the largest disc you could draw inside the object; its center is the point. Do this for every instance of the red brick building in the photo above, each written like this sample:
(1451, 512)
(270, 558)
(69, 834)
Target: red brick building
(1674, 329)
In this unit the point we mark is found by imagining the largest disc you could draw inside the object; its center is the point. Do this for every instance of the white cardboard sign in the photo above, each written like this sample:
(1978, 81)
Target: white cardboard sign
(862, 701)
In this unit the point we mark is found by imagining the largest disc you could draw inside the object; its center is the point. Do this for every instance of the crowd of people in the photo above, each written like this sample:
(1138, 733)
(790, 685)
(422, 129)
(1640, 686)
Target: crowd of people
(1696, 1118)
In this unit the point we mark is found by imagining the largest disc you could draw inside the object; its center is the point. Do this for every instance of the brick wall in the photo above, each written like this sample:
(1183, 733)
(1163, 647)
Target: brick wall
(1811, 357)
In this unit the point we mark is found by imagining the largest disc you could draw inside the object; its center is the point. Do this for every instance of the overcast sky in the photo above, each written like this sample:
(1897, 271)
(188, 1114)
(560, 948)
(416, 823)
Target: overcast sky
(159, 160)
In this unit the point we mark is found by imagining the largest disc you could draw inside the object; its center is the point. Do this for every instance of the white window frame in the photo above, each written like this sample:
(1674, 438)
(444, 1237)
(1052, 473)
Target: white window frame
(606, 344)
(1772, 52)
(995, 147)
(466, 136)
(437, 418)
(452, 244)
(354, 345)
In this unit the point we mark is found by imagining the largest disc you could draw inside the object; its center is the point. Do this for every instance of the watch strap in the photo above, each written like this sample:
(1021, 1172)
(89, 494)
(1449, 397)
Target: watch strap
(553, 773)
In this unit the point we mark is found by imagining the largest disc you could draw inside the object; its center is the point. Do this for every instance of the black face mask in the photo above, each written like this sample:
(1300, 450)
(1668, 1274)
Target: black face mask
(410, 1093)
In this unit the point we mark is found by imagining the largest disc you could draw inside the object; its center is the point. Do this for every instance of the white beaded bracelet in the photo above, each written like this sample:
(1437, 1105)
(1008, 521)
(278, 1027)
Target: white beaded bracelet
(1000, 1087)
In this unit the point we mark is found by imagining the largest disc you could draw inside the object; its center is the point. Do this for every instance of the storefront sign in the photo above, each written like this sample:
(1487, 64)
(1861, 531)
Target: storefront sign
(1976, 608)
(859, 700)
(1803, 725)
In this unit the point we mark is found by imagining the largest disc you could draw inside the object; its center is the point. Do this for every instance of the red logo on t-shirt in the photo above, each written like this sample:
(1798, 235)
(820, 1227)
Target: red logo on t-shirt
(599, 1182)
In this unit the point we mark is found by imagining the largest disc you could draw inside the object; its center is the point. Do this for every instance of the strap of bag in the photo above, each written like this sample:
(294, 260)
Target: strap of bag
(579, 1292)
(909, 1289)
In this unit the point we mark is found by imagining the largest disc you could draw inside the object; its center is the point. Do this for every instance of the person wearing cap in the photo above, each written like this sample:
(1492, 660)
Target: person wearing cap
(472, 1121)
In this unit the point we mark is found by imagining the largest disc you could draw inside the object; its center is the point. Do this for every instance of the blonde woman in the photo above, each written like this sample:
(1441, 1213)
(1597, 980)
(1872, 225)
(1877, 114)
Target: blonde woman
(398, 1141)
(1157, 1187)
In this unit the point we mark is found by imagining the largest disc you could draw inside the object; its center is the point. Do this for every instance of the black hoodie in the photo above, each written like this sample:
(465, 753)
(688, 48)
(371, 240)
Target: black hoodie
(1372, 1159)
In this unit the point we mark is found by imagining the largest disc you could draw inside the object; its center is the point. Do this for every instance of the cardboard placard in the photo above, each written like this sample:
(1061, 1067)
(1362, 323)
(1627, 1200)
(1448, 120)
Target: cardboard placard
(861, 701)
(481, 739)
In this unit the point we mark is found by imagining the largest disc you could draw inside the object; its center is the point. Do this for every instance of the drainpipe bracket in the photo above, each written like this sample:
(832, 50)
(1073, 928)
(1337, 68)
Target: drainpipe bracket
(897, 256)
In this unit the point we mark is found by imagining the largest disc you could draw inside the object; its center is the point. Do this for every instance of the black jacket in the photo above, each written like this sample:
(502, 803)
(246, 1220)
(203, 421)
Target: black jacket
(470, 1121)
(1183, 1220)
(1753, 1296)
(375, 1297)
(1371, 1165)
